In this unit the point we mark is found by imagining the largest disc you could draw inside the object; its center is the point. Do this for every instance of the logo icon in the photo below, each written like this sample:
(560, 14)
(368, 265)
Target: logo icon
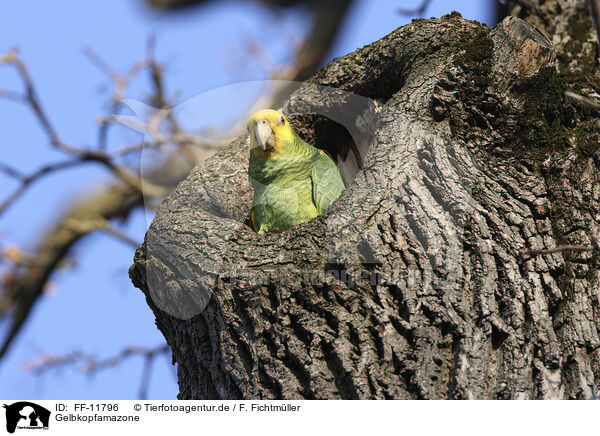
(26, 415)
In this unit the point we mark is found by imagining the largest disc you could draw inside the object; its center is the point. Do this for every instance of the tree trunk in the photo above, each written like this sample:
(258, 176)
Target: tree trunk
(416, 283)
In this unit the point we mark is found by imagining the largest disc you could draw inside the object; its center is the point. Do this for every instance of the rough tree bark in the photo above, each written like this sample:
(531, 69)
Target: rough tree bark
(419, 286)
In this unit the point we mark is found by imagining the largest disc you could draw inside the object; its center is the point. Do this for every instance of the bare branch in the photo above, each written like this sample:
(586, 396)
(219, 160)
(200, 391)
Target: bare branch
(326, 24)
(585, 100)
(26, 181)
(12, 58)
(101, 65)
(131, 149)
(145, 381)
(84, 155)
(415, 12)
(116, 233)
(307, 56)
(121, 83)
(25, 282)
(11, 172)
(11, 95)
(266, 63)
(125, 175)
(89, 364)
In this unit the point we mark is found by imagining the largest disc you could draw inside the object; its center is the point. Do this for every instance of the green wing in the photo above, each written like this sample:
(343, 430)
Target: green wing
(327, 182)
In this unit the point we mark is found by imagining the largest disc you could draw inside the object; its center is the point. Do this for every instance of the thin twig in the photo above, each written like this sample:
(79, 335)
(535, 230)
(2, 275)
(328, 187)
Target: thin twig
(415, 12)
(131, 149)
(11, 95)
(125, 175)
(261, 57)
(11, 172)
(145, 380)
(101, 65)
(582, 99)
(91, 365)
(12, 58)
(118, 234)
(81, 217)
(26, 181)
(121, 83)
(84, 155)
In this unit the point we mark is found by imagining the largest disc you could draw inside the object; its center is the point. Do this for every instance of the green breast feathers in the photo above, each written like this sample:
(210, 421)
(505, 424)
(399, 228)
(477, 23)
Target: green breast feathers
(293, 181)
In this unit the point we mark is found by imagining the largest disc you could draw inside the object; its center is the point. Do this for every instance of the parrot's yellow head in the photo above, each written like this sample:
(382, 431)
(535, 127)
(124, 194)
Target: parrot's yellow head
(269, 130)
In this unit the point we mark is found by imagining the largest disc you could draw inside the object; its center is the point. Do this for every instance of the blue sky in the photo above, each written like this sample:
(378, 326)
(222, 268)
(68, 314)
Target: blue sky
(95, 308)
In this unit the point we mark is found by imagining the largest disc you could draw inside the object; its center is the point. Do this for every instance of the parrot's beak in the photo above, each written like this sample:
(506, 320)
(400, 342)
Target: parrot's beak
(264, 135)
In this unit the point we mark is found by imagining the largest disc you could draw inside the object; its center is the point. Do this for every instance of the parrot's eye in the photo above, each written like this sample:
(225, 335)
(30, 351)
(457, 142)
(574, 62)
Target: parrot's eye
(248, 128)
(282, 121)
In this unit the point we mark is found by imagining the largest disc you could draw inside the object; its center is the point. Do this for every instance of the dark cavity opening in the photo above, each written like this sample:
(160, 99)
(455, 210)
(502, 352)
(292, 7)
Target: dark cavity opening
(347, 143)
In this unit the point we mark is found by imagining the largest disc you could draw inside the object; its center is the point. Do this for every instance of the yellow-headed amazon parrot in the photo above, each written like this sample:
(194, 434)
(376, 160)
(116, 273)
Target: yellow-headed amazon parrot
(293, 181)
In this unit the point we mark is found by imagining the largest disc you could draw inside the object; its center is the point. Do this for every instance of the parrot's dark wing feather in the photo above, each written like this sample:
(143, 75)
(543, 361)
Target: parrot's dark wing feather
(326, 181)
